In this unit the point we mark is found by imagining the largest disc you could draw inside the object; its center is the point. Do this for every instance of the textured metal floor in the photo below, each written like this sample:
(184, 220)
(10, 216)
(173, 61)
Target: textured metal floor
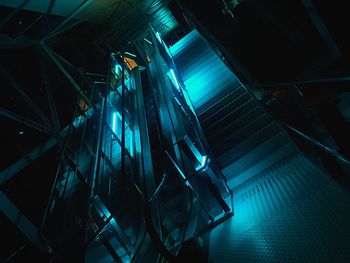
(293, 212)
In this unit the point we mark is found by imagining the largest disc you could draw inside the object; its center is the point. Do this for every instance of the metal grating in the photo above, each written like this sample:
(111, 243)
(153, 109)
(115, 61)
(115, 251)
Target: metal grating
(294, 212)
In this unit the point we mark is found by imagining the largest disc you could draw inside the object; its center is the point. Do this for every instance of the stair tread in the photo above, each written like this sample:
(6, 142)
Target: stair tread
(248, 144)
(269, 160)
(243, 120)
(240, 134)
(242, 103)
(221, 99)
(263, 150)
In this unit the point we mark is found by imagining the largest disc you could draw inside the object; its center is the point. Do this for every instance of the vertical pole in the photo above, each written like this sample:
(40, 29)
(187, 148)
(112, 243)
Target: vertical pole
(99, 138)
(123, 120)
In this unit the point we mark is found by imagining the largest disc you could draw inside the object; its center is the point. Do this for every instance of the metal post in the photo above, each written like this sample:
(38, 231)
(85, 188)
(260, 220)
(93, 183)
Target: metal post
(96, 165)
(123, 121)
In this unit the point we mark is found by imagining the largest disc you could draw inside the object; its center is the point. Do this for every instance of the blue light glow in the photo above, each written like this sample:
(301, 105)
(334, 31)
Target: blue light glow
(130, 54)
(114, 123)
(207, 75)
(188, 101)
(173, 78)
(118, 68)
(204, 160)
(131, 149)
(168, 50)
(127, 84)
(116, 117)
(159, 37)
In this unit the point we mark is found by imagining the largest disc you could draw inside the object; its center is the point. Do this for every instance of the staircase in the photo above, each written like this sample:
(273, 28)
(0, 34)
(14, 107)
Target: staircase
(244, 139)
(287, 207)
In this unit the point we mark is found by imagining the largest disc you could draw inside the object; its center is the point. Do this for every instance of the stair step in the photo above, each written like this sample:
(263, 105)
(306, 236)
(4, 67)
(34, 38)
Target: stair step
(240, 134)
(259, 152)
(242, 120)
(223, 110)
(223, 98)
(286, 151)
(226, 119)
(248, 144)
(237, 173)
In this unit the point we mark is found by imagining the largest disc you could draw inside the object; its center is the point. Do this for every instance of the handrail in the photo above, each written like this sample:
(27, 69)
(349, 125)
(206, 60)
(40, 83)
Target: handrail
(334, 152)
(194, 120)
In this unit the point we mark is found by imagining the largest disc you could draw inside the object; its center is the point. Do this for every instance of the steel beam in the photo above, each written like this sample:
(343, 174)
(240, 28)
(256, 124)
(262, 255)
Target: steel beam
(28, 27)
(23, 224)
(53, 58)
(25, 97)
(334, 152)
(73, 24)
(13, 169)
(46, 17)
(13, 13)
(64, 60)
(305, 82)
(97, 150)
(111, 250)
(23, 120)
(61, 27)
(8, 42)
(334, 51)
(49, 8)
(120, 234)
(276, 20)
(321, 27)
(49, 95)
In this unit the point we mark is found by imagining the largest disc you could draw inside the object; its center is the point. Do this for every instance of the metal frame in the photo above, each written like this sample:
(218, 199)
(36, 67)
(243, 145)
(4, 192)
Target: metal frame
(23, 162)
(65, 73)
(334, 51)
(23, 120)
(49, 94)
(50, 125)
(54, 127)
(61, 27)
(13, 13)
(23, 224)
(26, 97)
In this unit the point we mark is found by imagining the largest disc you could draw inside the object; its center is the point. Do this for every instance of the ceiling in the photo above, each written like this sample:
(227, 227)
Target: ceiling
(116, 19)
(272, 41)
